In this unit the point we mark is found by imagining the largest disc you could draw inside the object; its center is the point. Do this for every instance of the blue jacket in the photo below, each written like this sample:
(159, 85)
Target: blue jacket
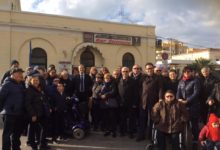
(12, 97)
(189, 90)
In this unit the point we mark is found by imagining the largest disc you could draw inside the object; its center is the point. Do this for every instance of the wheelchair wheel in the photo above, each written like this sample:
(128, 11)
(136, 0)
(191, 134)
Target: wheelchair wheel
(149, 147)
(78, 133)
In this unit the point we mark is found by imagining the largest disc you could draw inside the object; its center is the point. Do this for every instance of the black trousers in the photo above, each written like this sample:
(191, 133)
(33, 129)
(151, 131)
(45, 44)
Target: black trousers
(12, 129)
(111, 119)
(35, 127)
(59, 125)
(145, 121)
(83, 105)
(161, 139)
(96, 113)
(127, 120)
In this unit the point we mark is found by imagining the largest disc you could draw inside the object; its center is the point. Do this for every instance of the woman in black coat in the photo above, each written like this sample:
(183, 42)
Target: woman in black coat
(38, 109)
(109, 100)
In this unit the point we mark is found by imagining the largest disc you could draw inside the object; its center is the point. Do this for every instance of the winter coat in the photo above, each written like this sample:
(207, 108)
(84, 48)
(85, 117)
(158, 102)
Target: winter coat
(36, 102)
(60, 102)
(109, 90)
(207, 85)
(209, 132)
(127, 93)
(215, 95)
(151, 88)
(170, 118)
(189, 90)
(12, 97)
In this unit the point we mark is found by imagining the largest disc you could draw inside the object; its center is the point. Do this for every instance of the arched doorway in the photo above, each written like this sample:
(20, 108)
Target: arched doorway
(38, 57)
(87, 59)
(128, 60)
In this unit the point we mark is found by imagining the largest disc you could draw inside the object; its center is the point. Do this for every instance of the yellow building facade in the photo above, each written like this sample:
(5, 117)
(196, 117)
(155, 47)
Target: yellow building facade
(66, 41)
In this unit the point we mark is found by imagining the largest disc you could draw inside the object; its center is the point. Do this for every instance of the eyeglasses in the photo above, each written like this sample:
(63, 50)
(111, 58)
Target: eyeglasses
(136, 68)
(169, 96)
(158, 70)
(149, 68)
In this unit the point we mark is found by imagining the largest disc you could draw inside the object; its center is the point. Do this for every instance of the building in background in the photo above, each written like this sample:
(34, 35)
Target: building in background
(66, 41)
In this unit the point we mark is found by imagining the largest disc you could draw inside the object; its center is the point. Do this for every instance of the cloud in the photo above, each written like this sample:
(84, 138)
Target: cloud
(192, 21)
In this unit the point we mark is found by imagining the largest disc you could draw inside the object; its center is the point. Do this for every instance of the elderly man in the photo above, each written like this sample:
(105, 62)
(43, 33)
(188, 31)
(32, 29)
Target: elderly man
(128, 103)
(12, 109)
(207, 82)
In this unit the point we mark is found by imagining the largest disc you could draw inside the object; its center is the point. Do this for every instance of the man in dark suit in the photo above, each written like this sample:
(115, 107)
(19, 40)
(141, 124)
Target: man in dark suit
(128, 103)
(151, 88)
(83, 90)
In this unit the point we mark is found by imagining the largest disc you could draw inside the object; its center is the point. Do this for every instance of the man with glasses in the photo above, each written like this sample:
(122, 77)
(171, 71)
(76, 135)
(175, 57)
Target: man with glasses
(151, 91)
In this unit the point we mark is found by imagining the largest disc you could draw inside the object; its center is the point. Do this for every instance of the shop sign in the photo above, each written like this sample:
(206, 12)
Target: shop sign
(112, 39)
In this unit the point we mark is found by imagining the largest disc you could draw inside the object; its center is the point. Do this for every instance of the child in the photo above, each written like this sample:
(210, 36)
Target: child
(209, 136)
(59, 110)
(170, 117)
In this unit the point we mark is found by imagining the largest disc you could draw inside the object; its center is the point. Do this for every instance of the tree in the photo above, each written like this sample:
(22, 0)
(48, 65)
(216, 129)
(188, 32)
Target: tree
(199, 63)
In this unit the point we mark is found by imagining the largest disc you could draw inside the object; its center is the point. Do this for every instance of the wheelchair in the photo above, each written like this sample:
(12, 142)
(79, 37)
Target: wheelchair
(154, 144)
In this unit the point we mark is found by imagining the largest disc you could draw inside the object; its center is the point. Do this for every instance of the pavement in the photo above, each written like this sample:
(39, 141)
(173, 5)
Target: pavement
(93, 141)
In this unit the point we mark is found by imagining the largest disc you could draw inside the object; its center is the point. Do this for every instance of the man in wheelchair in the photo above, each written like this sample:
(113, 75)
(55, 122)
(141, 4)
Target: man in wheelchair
(209, 136)
(170, 117)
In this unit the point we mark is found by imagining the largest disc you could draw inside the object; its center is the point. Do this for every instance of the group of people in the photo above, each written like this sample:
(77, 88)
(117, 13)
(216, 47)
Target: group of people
(125, 103)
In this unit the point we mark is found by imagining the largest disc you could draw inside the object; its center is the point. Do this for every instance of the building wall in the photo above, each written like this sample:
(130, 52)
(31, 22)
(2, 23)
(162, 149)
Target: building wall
(62, 39)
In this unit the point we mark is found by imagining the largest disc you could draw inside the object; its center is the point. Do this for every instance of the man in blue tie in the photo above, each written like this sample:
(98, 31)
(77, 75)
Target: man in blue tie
(83, 90)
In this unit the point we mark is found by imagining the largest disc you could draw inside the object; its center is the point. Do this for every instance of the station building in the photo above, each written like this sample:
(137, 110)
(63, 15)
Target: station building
(42, 39)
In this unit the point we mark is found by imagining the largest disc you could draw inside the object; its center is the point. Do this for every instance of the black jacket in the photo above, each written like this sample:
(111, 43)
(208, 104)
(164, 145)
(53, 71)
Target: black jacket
(12, 97)
(127, 93)
(36, 102)
(87, 82)
(60, 101)
(207, 85)
(215, 95)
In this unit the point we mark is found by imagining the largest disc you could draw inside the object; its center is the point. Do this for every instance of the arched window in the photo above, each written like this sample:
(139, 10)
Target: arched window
(38, 57)
(128, 60)
(87, 58)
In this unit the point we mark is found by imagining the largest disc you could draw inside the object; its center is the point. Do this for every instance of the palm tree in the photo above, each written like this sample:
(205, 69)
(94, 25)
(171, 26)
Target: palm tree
(199, 63)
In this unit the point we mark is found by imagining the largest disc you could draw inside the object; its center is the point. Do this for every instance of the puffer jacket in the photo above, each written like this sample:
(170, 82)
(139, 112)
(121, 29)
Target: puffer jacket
(170, 118)
(189, 90)
(12, 97)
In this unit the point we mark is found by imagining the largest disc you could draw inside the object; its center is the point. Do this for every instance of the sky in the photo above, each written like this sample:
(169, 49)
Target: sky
(194, 22)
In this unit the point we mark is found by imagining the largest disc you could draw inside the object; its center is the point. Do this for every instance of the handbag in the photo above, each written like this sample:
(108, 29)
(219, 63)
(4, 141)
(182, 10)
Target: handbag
(111, 103)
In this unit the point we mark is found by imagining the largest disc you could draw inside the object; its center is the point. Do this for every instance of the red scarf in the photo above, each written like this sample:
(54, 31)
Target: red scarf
(185, 78)
(213, 133)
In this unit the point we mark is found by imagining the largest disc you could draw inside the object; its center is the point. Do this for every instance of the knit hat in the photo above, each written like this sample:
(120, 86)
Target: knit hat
(14, 62)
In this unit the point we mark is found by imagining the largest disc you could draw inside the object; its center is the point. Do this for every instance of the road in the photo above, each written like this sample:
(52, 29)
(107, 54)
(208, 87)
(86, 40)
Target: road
(93, 141)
